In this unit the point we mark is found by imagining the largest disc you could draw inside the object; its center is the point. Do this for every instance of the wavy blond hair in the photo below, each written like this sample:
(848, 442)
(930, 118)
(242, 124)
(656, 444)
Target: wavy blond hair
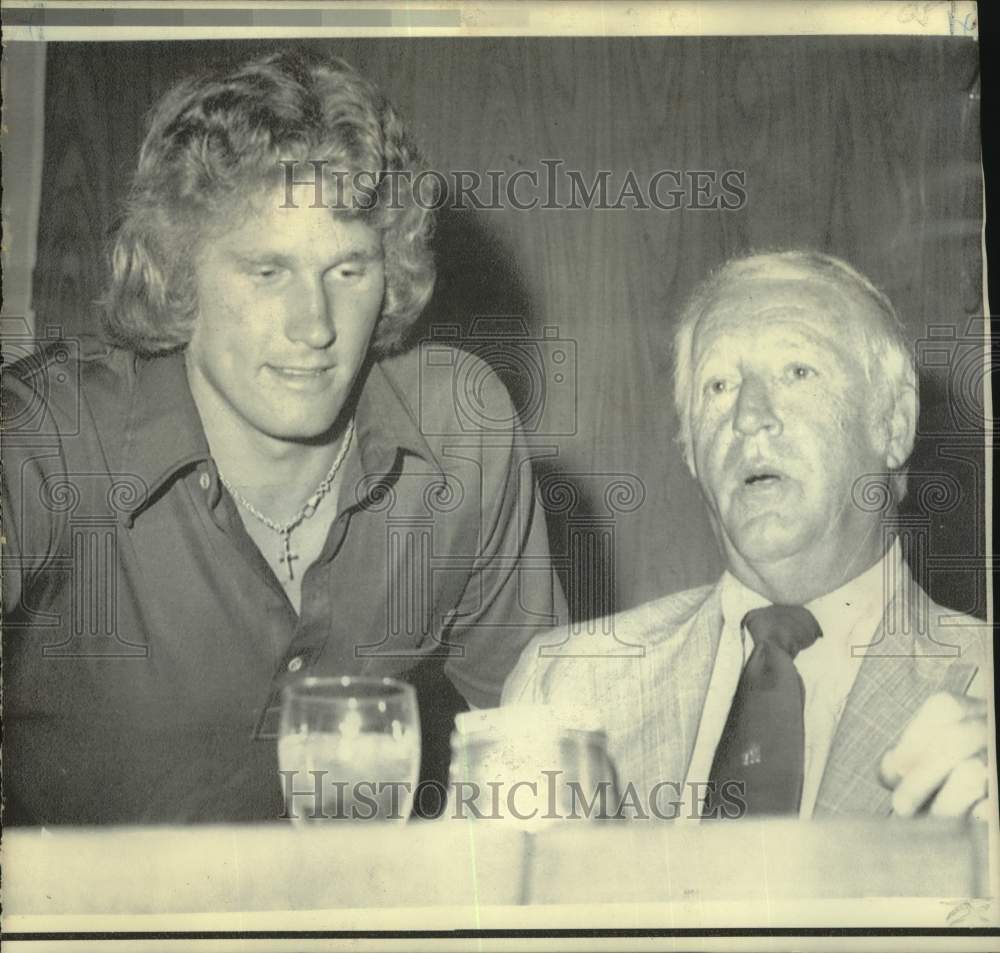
(215, 141)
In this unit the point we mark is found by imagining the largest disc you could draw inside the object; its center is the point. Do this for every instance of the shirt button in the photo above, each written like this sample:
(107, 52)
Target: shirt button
(204, 481)
(295, 664)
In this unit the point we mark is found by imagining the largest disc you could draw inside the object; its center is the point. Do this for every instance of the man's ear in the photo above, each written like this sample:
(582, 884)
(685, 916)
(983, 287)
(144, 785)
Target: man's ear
(901, 425)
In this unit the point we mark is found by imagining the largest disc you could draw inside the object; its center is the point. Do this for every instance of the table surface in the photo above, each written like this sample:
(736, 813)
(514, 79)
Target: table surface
(467, 873)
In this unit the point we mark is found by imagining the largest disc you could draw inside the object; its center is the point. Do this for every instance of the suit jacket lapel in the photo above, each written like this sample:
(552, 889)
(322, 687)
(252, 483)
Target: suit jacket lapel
(903, 665)
(696, 659)
(663, 708)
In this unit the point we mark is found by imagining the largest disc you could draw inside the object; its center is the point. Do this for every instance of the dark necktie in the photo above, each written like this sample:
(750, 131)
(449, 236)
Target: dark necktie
(761, 753)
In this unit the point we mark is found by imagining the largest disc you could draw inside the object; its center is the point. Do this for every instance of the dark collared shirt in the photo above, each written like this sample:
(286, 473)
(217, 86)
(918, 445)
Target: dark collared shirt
(146, 640)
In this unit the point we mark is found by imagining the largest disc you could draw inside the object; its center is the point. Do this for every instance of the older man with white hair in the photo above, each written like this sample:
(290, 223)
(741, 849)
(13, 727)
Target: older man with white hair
(816, 676)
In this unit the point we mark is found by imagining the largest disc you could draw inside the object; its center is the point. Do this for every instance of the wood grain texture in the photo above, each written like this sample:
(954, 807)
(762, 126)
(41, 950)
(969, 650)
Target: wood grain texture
(866, 148)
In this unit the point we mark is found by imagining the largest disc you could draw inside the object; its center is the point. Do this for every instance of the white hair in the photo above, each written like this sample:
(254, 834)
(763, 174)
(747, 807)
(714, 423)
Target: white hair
(888, 359)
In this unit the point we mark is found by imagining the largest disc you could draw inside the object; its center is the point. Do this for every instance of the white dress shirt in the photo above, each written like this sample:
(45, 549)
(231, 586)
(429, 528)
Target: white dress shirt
(848, 618)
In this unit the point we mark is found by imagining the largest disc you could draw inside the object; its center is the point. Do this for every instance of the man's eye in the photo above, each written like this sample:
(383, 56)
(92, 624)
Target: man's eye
(350, 272)
(716, 386)
(801, 372)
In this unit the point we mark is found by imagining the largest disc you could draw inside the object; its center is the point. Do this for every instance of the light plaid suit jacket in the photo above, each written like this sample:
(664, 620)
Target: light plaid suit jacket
(646, 671)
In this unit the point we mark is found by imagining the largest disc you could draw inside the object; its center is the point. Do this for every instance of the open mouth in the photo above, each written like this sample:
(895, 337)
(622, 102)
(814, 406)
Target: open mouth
(300, 372)
(762, 478)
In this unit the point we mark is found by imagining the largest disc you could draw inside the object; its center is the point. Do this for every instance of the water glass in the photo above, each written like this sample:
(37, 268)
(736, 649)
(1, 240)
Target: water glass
(348, 749)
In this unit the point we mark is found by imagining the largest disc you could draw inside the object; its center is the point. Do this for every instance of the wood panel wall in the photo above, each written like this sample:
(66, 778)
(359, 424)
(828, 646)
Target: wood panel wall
(864, 147)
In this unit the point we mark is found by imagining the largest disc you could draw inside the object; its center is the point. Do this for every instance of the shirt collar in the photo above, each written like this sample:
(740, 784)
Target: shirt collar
(839, 612)
(165, 436)
(385, 425)
(737, 599)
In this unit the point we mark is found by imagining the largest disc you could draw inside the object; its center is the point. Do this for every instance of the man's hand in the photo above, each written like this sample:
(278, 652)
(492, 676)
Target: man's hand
(940, 759)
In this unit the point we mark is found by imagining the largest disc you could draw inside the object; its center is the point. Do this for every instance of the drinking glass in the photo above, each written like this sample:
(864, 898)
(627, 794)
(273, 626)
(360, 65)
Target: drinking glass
(555, 757)
(348, 749)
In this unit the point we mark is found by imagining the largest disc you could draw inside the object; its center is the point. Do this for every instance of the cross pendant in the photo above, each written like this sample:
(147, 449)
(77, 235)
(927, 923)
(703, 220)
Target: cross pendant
(287, 555)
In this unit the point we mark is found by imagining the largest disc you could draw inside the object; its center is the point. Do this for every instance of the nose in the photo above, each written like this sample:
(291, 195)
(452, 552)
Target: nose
(754, 410)
(309, 317)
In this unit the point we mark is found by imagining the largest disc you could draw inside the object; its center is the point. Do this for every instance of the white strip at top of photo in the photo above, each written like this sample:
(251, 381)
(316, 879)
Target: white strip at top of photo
(228, 19)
